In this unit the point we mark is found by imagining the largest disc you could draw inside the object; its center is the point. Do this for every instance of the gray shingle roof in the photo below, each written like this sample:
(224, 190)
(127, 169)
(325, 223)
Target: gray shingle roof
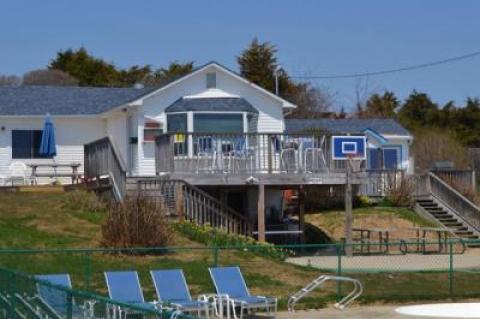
(61, 100)
(211, 104)
(383, 126)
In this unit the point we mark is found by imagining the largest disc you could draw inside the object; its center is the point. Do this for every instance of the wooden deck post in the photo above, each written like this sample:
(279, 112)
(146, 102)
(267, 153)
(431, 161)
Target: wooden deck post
(301, 212)
(261, 212)
(348, 210)
(180, 201)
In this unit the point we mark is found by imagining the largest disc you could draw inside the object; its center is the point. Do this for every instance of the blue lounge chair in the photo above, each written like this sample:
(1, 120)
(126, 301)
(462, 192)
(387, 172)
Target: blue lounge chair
(171, 288)
(124, 287)
(56, 300)
(232, 291)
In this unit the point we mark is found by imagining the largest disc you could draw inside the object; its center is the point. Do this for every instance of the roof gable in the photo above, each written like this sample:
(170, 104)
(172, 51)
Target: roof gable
(284, 103)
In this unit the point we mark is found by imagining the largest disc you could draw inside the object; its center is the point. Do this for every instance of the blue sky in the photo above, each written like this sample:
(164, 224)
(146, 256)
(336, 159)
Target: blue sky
(313, 38)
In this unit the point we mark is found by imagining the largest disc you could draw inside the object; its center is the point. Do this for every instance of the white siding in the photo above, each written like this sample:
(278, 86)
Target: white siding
(71, 135)
(270, 117)
(117, 129)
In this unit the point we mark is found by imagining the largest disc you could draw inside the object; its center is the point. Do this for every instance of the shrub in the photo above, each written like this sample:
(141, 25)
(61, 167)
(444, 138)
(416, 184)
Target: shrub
(400, 193)
(136, 222)
(219, 238)
(84, 200)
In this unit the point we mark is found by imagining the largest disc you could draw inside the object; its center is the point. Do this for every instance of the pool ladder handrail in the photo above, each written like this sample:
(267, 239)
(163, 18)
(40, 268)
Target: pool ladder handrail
(345, 301)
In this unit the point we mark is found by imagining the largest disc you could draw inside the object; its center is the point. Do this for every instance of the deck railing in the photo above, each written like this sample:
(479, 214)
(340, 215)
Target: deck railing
(462, 206)
(102, 160)
(194, 204)
(244, 153)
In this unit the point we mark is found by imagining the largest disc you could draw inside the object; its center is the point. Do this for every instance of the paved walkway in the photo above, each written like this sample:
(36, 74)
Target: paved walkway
(470, 259)
(354, 312)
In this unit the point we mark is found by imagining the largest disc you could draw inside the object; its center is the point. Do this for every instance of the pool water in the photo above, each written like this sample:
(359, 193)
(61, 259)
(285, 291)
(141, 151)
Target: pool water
(443, 310)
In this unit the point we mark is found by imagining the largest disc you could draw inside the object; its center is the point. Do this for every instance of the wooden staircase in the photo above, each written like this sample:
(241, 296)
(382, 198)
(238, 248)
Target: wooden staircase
(183, 200)
(451, 222)
(447, 207)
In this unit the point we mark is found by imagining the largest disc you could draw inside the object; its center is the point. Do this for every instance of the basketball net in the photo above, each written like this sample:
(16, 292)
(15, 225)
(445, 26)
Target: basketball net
(355, 162)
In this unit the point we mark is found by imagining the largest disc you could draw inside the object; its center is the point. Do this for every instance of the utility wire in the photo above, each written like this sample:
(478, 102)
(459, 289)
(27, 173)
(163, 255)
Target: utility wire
(397, 70)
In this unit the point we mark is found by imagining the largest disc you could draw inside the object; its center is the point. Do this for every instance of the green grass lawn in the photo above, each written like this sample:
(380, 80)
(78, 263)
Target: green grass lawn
(44, 220)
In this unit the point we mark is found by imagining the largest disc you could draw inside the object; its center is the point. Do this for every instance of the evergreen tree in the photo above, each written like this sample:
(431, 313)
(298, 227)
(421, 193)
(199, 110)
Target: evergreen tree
(258, 63)
(418, 111)
(88, 70)
(380, 106)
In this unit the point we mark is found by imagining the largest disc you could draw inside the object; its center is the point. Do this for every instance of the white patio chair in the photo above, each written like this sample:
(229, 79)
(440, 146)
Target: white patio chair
(17, 171)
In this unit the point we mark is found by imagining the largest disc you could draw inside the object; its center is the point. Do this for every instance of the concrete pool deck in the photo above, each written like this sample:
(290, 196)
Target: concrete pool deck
(409, 262)
(353, 312)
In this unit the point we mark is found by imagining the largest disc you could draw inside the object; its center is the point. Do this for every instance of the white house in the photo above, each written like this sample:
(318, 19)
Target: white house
(210, 99)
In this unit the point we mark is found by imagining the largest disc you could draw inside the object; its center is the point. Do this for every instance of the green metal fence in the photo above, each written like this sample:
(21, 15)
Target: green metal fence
(402, 271)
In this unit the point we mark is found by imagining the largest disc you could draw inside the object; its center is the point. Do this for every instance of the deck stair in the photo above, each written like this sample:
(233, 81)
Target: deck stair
(183, 200)
(448, 219)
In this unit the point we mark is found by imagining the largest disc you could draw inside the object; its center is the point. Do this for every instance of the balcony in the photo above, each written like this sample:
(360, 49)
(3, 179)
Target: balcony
(236, 158)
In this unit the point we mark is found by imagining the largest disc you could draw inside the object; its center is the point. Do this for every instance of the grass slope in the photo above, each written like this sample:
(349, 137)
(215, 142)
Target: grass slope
(43, 220)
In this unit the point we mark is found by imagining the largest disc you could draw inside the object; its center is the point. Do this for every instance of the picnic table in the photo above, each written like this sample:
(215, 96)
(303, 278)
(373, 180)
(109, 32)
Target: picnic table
(74, 175)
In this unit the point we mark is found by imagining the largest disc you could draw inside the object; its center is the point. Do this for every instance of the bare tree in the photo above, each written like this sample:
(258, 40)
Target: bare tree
(49, 77)
(311, 101)
(361, 95)
(12, 80)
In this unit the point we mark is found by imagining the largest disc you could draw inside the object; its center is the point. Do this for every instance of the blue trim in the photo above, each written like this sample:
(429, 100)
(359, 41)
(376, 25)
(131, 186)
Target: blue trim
(382, 139)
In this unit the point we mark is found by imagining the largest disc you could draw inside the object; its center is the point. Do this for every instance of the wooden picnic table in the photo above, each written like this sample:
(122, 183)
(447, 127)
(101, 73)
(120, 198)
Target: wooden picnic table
(54, 174)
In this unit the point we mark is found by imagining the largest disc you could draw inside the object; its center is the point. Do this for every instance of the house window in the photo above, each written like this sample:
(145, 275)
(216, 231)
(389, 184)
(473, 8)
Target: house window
(211, 80)
(217, 123)
(151, 130)
(26, 144)
(177, 122)
(390, 158)
(383, 158)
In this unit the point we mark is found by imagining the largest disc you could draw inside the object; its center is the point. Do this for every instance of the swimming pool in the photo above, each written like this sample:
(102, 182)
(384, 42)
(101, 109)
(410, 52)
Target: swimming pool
(443, 310)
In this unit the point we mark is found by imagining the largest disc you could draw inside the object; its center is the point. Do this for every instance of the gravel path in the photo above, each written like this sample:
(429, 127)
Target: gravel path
(470, 259)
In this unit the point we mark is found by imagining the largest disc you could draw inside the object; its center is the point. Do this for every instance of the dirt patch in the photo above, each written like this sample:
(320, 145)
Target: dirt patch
(332, 223)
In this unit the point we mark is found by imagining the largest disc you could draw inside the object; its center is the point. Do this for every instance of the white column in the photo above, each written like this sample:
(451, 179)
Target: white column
(245, 122)
(190, 130)
(141, 126)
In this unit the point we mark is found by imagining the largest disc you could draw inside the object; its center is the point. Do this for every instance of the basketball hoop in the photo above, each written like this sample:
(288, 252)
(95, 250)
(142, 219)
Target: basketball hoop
(355, 160)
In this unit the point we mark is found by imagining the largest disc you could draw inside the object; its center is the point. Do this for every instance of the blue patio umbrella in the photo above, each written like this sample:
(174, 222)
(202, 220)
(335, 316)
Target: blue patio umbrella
(47, 145)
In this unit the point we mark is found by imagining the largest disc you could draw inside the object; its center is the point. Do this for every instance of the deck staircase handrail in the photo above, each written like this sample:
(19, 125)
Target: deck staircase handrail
(463, 207)
(102, 159)
(206, 209)
(197, 205)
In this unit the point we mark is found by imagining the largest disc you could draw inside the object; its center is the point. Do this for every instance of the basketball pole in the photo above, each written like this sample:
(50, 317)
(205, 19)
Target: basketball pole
(348, 209)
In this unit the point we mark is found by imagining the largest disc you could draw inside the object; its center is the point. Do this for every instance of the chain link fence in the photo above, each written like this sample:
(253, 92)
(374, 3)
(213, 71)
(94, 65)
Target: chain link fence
(393, 272)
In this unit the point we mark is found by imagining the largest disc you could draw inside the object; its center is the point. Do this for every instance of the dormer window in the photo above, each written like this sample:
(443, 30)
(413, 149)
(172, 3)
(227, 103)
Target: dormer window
(211, 80)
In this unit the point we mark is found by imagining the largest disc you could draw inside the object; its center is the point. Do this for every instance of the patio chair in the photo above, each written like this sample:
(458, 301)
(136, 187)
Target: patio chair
(240, 154)
(55, 301)
(233, 293)
(312, 149)
(172, 290)
(17, 171)
(206, 154)
(124, 287)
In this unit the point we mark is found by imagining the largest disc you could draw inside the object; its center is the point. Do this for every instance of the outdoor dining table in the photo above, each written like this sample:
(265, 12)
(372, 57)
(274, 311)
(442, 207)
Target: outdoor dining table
(73, 166)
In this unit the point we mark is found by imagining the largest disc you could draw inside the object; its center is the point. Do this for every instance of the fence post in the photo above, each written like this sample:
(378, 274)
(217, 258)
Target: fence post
(12, 291)
(69, 305)
(88, 270)
(339, 271)
(450, 269)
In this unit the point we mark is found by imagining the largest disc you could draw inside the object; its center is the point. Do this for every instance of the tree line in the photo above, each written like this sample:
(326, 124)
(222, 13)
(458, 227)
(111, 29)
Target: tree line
(457, 125)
